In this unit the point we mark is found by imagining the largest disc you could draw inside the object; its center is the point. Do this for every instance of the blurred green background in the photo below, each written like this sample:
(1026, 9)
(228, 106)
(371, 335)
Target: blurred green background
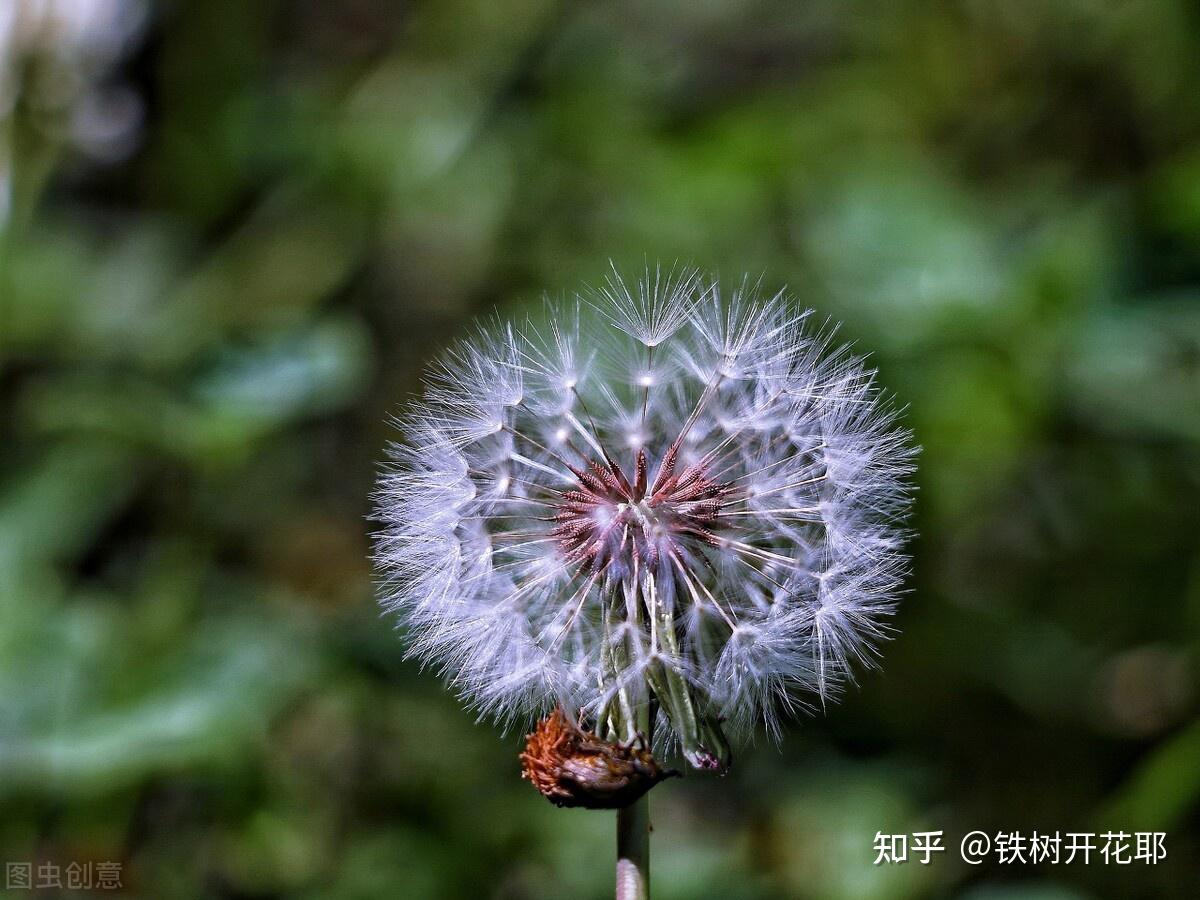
(232, 234)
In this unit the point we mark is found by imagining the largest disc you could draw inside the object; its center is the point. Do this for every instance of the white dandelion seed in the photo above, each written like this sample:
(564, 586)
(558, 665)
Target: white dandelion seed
(707, 513)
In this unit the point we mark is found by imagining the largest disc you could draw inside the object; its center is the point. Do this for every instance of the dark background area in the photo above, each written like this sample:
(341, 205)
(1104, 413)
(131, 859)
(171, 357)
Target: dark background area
(233, 233)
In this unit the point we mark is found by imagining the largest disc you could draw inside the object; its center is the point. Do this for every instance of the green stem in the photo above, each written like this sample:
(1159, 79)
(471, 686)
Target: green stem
(633, 830)
(633, 850)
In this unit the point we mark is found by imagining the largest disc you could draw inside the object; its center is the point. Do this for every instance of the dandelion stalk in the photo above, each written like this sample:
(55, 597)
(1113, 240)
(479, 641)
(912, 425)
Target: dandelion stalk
(633, 850)
(633, 829)
(657, 502)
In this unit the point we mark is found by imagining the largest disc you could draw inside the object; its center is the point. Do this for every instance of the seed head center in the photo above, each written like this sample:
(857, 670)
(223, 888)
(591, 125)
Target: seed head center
(641, 513)
(609, 521)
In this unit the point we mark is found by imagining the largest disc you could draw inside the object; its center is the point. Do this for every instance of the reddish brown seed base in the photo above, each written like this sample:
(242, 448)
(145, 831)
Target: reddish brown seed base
(573, 767)
(607, 515)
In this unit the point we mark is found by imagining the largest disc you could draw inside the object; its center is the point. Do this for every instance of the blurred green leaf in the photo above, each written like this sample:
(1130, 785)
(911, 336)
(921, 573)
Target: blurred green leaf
(80, 730)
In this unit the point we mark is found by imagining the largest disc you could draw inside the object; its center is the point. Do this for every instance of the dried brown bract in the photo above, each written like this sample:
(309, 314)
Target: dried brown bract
(573, 767)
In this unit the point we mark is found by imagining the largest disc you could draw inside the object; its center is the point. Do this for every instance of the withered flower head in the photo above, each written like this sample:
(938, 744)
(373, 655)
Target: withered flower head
(573, 767)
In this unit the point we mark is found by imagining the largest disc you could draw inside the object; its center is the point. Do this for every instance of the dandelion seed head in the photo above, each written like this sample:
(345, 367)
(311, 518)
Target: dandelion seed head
(711, 507)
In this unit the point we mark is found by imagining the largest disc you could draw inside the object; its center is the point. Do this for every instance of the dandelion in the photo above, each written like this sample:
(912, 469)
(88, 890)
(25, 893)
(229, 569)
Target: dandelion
(653, 502)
